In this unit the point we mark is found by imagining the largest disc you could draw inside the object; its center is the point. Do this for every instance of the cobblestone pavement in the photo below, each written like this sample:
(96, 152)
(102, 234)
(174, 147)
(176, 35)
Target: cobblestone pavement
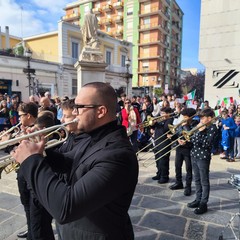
(156, 211)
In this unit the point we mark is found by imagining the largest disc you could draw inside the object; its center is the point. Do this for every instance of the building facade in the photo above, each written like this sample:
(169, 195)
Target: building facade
(153, 27)
(53, 57)
(219, 48)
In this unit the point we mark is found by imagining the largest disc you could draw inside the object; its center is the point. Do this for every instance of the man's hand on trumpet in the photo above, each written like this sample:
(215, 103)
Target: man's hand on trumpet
(27, 148)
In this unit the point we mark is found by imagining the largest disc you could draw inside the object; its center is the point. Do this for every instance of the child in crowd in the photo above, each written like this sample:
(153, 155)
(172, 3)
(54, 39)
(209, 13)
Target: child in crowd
(237, 138)
(228, 133)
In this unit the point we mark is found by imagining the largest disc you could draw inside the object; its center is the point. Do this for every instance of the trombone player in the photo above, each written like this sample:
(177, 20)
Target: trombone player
(162, 142)
(183, 151)
(202, 140)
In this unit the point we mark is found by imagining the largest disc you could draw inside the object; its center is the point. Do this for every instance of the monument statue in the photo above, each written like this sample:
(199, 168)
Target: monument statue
(89, 31)
(91, 44)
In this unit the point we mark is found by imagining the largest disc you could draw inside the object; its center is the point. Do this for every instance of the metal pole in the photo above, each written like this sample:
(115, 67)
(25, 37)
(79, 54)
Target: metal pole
(29, 76)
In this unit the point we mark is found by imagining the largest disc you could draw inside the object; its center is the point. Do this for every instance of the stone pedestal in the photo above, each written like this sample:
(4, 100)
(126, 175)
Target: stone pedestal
(88, 72)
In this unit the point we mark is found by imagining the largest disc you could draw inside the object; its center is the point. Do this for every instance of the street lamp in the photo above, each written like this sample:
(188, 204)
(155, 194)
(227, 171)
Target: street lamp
(128, 75)
(29, 71)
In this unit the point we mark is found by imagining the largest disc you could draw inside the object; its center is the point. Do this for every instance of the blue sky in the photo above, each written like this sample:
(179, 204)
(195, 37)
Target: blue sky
(191, 27)
(30, 17)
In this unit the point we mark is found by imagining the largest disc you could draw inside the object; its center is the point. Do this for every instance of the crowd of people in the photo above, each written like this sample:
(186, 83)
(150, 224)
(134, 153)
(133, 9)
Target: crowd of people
(87, 183)
(196, 131)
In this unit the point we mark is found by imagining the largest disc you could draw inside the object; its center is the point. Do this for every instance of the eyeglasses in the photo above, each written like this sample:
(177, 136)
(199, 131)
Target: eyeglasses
(80, 106)
(24, 114)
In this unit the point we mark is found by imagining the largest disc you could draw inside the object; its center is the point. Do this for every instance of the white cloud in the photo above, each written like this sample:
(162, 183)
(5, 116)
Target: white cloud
(30, 17)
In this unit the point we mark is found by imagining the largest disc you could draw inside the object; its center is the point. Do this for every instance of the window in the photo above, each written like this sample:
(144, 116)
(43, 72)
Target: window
(146, 21)
(130, 11)
(108, 57)
(75, 50)
(123, 59)
(74, 87)
(86, 9)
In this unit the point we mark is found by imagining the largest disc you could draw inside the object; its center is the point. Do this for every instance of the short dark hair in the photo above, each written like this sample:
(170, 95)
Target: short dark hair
(31, 108)
(166, 110)
(68, 104)
(207, 113)
(44, 121)
(105, 93)
(188, 112)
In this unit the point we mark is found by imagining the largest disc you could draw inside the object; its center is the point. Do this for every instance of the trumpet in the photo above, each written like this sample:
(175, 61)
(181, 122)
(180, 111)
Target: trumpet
(13, 128)
(7, 160)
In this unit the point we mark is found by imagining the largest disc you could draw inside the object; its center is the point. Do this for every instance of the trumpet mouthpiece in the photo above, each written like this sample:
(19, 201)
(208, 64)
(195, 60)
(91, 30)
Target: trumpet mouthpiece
(75, 120)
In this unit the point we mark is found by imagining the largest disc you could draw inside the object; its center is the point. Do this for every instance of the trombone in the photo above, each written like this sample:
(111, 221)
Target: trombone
(172, 129)
(7, 160)
(151, 120)
(186, 134)
(171, 115)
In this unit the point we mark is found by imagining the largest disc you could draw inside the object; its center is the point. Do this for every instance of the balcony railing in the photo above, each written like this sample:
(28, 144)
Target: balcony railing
(107, 21)
(150, 25)
(119, 33)
(150, 10)
(107, 8)
(97, 10)
(118, 5)
(119, 19)
(71, 16)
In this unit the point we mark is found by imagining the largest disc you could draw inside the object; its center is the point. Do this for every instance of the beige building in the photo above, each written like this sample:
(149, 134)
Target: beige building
(53, 57)
(219, 48)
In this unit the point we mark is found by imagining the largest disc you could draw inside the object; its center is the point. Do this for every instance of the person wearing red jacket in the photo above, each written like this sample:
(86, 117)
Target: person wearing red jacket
(131, 119)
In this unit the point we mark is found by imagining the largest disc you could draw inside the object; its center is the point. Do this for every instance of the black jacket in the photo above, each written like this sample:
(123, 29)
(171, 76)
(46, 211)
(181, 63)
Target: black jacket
(95, 202)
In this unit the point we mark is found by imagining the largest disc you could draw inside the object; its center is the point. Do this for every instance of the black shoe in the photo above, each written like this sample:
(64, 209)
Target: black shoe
(23, 234)
(201, 209)
(193, 204)
(156, 177)
(176, 186)
(163, 180)
(187, 191)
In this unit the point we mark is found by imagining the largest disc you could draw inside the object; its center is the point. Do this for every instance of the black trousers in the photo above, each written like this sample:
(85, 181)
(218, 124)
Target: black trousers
(38, 219)
(162, 166)
(24, 198)
(181, 155)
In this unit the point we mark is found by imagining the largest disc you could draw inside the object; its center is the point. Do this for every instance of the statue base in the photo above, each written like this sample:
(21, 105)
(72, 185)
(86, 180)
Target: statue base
(88, 72)
(91, 55)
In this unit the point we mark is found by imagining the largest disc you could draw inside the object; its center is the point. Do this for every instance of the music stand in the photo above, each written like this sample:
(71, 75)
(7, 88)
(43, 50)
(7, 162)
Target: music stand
(230, 222)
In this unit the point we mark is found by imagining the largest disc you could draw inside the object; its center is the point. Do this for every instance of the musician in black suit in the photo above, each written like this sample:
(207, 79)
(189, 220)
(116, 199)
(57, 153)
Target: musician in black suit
(183, 151)
(94, 203)
(162, 146)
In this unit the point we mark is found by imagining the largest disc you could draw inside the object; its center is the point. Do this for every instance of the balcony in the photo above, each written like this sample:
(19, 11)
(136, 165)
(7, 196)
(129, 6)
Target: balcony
(148, 70)
(119, 19)
(149, 11)
(97, 10)
(107, 21)
(71, 17)
(149, 56)
(119, 33)
(149, 41)
(154, 25)
(107, 8)
(118, 5)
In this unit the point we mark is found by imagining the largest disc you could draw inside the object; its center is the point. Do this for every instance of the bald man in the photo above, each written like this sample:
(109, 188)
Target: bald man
(94, 203)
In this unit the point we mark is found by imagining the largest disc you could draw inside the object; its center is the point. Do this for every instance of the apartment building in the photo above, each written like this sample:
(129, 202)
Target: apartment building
(154, 27)
(219, 49)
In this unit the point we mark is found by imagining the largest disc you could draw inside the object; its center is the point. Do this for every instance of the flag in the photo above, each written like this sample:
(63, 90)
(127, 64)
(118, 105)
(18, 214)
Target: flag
(217, 112)
(190, 95)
